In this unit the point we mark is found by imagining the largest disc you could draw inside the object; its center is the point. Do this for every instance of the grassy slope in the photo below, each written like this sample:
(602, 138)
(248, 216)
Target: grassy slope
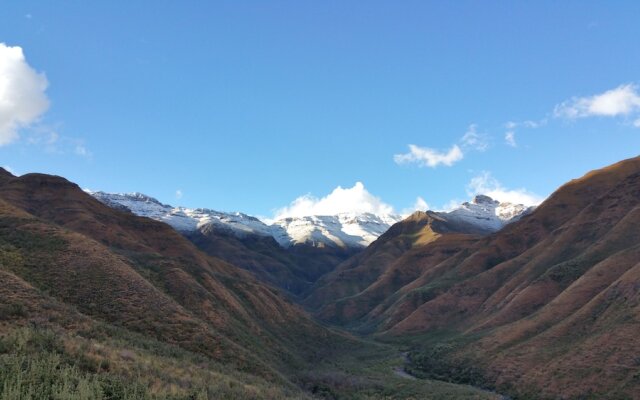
(361, 291)
(556, 316)
(547, 307)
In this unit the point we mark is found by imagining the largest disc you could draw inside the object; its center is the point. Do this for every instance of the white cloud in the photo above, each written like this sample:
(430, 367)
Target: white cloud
(428, 157)
(451, 205)
(179, 194)
(474, 140)
(22, 93)
(510, 138)
(534, 124)
(419, 205)
(425, 156)
(510, 125)
(486, 184)
(82, 151)
(623, 100)
(355, 199)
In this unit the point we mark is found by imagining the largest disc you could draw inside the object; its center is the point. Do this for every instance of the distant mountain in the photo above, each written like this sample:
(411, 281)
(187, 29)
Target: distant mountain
(486, 213)
(342, 230)
(268, 251)
(349, 230)
(184, 219)
(346, 230)
(293, 253)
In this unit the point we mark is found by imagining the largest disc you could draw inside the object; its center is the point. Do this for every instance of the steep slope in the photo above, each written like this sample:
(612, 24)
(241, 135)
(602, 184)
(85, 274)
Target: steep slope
(360, 291)
(293, 269)
(143, 276)
(560, 315)
(545, 307)
(575, 218)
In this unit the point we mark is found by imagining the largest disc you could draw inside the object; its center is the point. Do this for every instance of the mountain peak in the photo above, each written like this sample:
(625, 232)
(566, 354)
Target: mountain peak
(483, 199)
(486, 213)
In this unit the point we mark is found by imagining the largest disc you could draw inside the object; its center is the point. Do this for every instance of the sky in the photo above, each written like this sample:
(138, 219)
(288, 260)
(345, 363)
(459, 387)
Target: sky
(304, 107)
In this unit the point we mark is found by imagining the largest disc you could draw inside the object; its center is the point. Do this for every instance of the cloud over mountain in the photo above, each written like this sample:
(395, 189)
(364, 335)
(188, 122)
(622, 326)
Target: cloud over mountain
(341, 200)
(485, 183)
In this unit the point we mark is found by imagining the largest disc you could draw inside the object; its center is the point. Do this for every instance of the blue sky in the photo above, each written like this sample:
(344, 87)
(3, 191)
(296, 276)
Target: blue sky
(250, 105)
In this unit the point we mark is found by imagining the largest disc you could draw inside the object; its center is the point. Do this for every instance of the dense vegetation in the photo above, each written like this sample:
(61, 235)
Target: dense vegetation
(41, 363)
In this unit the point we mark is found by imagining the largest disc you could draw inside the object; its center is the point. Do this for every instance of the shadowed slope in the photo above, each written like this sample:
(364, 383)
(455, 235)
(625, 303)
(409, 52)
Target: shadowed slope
(293, 269)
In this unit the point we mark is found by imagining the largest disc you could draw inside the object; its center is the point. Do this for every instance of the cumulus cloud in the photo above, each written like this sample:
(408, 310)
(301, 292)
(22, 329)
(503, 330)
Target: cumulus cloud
(22, 93)
(510, 139)
(486, 184)
(474, 140)
(623, 100)
(428, 157)
(419, 205)
(340, 200)
(179, 194)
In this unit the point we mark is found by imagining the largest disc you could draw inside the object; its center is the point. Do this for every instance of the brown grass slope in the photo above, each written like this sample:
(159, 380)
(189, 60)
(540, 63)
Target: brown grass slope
(516, 271)
(360, 289)
(548, 305)
(141, 275)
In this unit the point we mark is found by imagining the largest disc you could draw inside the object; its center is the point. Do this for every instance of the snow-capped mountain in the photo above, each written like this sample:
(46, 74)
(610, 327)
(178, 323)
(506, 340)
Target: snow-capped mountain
(345, 230)
(487, 213)
(342, 230)
(184, 219)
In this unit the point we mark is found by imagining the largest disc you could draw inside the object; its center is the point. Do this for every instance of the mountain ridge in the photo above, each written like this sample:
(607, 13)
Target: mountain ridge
(348, 229)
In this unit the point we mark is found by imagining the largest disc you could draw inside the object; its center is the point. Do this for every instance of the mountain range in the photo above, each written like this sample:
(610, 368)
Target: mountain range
(275, 250)
(529, 302)
(345, 230)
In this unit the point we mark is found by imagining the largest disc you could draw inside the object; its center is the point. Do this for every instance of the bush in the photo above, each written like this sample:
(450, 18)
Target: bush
(9, 311)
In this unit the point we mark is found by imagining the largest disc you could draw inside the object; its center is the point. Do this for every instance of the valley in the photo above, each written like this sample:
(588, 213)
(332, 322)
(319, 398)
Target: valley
(119, 296)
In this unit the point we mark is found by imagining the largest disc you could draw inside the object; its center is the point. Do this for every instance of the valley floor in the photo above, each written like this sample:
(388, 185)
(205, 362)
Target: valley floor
(377, 371)
(107, 363)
